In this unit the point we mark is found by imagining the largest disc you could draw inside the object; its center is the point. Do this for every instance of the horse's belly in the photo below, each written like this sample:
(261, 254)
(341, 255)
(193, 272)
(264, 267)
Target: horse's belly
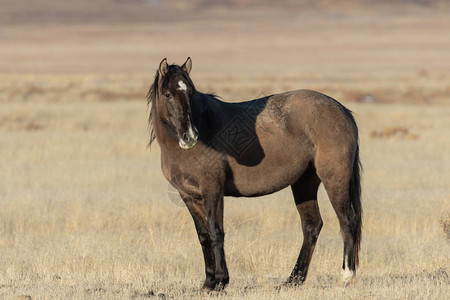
(272, 157)
(272, 173)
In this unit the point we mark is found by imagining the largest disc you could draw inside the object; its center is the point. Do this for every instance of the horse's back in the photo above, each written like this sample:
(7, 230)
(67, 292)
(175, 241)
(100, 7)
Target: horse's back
(290, 128)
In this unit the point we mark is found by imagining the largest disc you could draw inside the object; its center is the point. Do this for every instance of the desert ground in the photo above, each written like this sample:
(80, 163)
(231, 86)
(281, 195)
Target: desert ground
(85, 211)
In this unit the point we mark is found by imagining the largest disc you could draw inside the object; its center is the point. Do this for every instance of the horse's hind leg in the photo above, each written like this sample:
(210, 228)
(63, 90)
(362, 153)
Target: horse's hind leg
(337, 180)
(305, 196)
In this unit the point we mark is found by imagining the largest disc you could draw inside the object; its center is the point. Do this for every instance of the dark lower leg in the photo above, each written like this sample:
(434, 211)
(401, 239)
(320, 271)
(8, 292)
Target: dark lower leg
(305, 196)
(214, 212)
(348, 224)
(201, 225)
(221, 270)
(311, 225)
(208, 256)
(348, 261)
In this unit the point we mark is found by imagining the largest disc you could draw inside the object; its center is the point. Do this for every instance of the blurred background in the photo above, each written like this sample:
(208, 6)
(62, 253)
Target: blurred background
(385, 51)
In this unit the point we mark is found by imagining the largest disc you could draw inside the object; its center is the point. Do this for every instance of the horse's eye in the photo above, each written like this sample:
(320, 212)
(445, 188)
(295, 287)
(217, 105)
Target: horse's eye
(167, 95)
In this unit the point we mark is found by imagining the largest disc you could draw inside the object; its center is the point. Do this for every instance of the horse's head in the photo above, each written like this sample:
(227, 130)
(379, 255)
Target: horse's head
(174, 91)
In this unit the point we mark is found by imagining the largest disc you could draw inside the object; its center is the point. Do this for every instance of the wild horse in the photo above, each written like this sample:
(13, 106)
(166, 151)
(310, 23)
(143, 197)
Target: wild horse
(211, 149)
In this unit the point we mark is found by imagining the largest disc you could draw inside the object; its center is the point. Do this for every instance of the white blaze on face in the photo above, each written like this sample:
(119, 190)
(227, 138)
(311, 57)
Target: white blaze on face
(191, 132)
(182, 86)
(192, 135)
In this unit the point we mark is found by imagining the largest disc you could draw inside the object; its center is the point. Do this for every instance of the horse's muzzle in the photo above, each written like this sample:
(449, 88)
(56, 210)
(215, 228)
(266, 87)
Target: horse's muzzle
(189, 139)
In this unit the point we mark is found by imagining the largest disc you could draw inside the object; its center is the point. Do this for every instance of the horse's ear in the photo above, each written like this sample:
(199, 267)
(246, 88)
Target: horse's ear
(187, 66)
(163, 67)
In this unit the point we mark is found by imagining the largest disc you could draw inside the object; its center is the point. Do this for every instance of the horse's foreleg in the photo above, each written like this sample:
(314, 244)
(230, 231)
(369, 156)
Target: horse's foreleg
(214, 212)
(198, 213)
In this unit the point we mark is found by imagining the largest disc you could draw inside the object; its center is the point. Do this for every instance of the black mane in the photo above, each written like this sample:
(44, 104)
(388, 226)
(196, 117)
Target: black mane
(151, 95)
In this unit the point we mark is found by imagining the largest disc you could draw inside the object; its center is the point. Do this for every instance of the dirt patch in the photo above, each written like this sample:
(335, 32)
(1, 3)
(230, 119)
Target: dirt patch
(399, 132)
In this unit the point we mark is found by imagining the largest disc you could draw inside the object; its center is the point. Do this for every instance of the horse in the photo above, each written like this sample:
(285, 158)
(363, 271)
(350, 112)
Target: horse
(211, 149)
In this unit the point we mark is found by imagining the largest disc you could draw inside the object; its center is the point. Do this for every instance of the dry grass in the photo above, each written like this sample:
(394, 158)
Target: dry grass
(408, 89)
(445, 222)
(85, 210)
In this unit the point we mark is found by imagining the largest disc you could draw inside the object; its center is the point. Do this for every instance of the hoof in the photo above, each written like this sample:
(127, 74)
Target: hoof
(294, 281)
(206, 288)
(347, 278)
(209, 286)
(289, 283)
(214, 286)
(213, 292)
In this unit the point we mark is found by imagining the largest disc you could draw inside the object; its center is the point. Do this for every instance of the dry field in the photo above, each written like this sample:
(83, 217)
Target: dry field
(85, 210)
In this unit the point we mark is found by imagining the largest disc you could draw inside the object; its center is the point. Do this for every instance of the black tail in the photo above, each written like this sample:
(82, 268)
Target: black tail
(355, 201)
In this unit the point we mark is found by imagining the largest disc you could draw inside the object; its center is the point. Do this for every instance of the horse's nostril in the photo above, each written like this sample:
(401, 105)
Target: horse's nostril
(186, 137)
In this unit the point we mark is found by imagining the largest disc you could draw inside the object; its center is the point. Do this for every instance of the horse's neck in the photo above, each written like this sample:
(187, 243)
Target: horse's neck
(202, 103)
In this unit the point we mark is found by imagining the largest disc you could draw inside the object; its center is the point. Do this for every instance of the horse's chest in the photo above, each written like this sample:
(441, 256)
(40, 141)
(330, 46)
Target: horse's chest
(176, 172)
(168, 169)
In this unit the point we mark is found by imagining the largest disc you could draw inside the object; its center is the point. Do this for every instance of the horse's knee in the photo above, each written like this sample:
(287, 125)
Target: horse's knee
(203, 238)
(217, 237)
(218, 241)
(312, 230)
